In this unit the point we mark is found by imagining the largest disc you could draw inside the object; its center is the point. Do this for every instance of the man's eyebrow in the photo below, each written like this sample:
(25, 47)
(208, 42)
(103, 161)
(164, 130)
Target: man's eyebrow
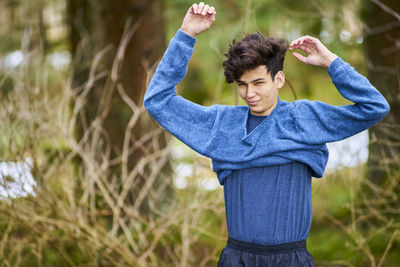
(253, 81)
(257, 80)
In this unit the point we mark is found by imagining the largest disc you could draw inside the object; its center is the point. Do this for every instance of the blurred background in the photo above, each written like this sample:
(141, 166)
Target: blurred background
(87, 178)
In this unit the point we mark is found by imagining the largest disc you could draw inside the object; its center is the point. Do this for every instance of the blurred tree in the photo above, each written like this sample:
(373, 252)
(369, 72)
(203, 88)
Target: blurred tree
(127, 37)
(382, 52)
(21, 34)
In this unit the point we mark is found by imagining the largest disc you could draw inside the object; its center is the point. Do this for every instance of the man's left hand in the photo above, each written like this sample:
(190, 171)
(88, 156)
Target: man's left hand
(317, 53)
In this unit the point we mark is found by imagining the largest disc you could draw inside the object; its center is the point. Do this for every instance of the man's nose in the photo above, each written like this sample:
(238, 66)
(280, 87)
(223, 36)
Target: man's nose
(250, 92)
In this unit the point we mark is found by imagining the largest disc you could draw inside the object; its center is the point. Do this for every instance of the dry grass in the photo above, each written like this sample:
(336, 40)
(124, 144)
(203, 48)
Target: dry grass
(85, 214)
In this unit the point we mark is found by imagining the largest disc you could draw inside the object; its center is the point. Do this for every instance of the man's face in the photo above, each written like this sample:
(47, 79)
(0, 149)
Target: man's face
(260, 92)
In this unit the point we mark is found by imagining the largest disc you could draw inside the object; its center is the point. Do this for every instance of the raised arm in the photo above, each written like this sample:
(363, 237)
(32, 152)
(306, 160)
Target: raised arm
(189, 122)
(322, 123)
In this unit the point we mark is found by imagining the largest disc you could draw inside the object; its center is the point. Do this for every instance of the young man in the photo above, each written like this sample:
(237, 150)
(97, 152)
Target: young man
(264, 153)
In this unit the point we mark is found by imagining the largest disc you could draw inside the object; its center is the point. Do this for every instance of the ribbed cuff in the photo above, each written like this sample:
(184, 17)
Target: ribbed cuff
(335, 65)
(184, 37)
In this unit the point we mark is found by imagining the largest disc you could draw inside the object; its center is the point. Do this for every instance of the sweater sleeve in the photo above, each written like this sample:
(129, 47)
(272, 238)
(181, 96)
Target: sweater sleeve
(320, 123)
(191, 123)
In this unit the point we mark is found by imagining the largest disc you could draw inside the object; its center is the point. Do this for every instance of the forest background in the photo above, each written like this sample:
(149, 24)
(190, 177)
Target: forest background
(114, 189)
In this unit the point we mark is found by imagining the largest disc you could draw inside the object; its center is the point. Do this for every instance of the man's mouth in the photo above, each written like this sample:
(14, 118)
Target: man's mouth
(252, 103)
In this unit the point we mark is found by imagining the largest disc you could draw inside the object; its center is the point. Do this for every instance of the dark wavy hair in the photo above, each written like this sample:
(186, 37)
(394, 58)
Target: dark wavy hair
(252, 51)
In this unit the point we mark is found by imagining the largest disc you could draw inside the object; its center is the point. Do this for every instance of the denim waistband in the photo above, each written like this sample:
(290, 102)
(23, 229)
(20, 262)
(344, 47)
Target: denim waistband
(266, 249)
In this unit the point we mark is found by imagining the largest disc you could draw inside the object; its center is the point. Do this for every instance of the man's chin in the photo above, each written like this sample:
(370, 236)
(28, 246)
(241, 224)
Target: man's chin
(256, 112)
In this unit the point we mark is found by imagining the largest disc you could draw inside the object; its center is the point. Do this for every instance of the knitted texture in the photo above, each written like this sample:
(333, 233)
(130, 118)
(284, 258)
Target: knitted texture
(296, 131)
(270, 204)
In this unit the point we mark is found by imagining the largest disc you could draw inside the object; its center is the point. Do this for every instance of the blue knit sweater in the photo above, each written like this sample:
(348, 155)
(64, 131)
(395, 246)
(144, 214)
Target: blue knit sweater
(296, 131)
(270, 204)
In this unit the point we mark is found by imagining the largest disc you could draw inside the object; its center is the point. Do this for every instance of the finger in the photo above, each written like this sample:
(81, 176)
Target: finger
(300, 40)
(300, 57)
(213, 16)
(308, 50)
(304, 44)
(205, 10)
(296, 46)
(191, 9)
(194, 8)
(211, 10)
(200, 8)
(310, 41)
(296, 41)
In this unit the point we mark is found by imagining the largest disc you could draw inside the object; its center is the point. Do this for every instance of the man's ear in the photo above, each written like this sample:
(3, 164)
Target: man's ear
(279, 79)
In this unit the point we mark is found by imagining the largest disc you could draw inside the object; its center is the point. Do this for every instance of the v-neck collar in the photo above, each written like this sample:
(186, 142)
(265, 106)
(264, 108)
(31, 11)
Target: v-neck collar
(250, 138)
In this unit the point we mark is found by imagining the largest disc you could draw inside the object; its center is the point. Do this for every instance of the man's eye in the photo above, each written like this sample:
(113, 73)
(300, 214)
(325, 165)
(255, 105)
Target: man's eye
(258, 83)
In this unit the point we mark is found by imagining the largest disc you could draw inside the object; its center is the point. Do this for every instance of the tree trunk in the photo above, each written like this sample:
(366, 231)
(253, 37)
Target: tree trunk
(382, 52)
(98, 27)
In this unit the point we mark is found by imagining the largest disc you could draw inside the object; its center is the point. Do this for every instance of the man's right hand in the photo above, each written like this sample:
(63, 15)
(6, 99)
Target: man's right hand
(198, 18)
